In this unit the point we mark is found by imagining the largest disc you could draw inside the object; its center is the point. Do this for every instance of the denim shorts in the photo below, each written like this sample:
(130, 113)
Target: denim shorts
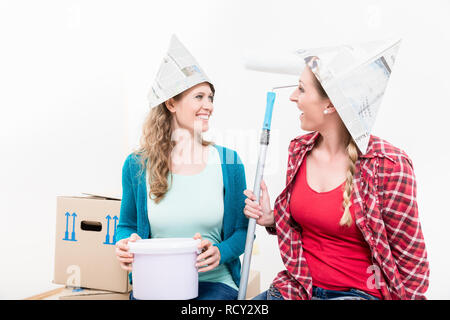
(352, 294)
(211, 291)
(319, 294)
(271, 294)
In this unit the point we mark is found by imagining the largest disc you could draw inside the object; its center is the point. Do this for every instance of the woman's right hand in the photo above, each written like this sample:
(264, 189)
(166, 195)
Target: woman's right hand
(262, 211)
(122, 252)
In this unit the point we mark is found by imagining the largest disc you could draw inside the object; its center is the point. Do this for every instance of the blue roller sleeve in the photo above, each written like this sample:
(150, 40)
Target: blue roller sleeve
(269, 108)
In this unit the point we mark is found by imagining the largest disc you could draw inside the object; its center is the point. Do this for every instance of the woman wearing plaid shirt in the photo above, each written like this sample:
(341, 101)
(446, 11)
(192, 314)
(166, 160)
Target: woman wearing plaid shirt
(372, 246)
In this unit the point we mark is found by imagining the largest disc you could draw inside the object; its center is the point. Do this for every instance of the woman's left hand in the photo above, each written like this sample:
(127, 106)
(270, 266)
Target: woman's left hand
(210, 255)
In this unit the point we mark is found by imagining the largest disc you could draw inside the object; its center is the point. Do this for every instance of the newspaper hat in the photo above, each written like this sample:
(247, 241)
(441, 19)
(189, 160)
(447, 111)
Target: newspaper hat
(178, 72)
(355, 78)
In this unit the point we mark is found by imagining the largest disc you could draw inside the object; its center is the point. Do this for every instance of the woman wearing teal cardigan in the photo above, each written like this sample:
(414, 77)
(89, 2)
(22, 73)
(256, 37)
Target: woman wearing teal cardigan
(179, 185)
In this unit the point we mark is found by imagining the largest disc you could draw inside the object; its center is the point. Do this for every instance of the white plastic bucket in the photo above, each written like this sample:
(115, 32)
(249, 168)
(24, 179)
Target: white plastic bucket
(164, 268)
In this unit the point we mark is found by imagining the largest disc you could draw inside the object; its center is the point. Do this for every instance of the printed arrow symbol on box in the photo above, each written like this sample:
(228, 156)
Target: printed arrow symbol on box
(66, 234)
(115, 227)
(74, 215)
(108, 217)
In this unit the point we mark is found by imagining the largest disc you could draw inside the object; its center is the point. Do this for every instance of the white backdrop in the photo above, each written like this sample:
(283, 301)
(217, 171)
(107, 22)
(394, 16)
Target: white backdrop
(74, 76)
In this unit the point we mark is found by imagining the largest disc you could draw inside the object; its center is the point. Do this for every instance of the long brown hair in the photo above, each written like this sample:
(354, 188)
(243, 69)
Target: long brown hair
(352, 151)
(156, 147)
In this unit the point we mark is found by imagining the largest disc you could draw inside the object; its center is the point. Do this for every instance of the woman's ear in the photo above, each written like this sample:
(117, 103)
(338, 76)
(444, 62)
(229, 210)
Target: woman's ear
(330, 109)
(170, 105)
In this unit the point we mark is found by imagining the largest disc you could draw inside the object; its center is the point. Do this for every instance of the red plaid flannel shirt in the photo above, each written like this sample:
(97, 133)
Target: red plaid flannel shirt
(385, 208)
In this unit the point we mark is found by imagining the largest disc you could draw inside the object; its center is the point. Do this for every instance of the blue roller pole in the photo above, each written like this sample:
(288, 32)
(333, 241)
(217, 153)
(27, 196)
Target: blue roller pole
(264, 142)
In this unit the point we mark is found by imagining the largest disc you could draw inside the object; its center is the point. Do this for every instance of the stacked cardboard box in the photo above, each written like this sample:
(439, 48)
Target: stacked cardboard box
(85, 246)
(68, 293)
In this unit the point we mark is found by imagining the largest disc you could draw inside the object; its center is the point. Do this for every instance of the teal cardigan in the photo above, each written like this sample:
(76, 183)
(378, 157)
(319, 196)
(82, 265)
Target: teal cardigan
(134, 217)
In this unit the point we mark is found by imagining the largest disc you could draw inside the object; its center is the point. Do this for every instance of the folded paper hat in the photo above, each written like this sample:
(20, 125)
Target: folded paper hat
(355, 78)
(178, 72)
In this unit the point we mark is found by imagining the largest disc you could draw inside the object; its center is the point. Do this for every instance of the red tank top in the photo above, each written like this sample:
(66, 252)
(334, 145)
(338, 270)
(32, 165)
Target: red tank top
(338, 257)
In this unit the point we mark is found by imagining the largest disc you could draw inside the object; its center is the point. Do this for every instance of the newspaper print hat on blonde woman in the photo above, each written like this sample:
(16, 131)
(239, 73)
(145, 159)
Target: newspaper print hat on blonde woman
(355, 78)
(178, 72)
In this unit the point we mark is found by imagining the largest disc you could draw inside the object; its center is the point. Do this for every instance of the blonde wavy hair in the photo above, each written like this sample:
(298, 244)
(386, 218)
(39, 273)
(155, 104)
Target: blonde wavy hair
(352, 151)
(156, 146)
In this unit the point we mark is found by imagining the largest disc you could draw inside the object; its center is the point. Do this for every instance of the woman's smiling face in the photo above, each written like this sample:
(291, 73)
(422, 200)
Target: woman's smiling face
(193, 109)
(310, 102)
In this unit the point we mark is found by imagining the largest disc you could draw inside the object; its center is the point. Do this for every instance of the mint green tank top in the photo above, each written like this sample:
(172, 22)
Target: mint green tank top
(193, 204)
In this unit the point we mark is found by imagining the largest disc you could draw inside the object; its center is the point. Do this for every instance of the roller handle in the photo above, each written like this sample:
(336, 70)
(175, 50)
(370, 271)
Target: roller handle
(264, 142)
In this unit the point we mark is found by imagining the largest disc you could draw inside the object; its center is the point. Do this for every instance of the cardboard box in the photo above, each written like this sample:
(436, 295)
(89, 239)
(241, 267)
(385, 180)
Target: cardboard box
(88, 294)
(85, 244)
(67, 293)
(253, 285)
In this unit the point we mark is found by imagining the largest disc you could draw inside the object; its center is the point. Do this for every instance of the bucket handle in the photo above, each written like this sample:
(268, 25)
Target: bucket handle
(198, 242)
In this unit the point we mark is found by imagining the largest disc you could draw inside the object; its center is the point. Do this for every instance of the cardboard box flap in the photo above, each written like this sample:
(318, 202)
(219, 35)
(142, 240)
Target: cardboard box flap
(104, 195)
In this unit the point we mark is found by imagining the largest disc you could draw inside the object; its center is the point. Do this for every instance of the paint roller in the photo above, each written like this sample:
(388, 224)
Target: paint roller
(283, 63)
(273, 62)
